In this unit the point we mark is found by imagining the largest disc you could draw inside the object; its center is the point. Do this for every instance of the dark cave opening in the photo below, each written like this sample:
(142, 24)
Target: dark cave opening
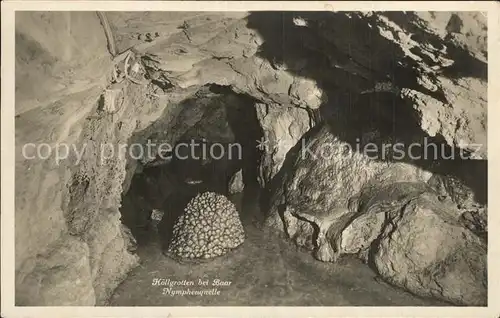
(206, 157)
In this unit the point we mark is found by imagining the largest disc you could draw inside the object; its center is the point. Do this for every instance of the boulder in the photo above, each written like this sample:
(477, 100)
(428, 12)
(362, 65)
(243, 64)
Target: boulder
(429, 253)
(322, 92)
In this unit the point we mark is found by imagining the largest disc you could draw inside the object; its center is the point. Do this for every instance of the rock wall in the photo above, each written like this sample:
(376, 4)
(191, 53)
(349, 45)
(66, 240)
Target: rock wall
(68, 225)
(333, 198)
(58, 84)
(304, 59)
(327, 79)
(282, 127)
(67, 211)
(348, 203)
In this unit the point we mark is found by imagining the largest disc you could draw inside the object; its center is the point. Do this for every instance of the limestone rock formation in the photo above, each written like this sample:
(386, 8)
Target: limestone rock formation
(111, 253)
(428, 252)
(327, 174)
(60, 277)
(336, 200)
(209, 227)
(471, 213)
(358, 237)
(236, 184)
(77, 196)
(282, 127)
(322, 78)
(201, 115)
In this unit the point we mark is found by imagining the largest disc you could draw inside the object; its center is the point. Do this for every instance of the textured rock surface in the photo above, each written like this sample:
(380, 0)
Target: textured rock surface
(243, 51)
(298, 75)
(60, 277)
(282, 127)
(68, 78)
(110, 256)
(279, 62)
(201, 115)
(46, 115)
(265, 271)
(428, 252)
(336, 204)
(326, 174)
(358, 236)
(76, 200)
(236, 184)
(471, 213)
(209, 227)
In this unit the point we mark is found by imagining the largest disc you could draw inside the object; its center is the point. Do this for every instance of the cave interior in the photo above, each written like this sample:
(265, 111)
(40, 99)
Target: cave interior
(235, 112)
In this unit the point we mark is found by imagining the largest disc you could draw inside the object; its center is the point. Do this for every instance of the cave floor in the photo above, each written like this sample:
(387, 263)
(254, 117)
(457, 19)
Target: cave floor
(265, 271)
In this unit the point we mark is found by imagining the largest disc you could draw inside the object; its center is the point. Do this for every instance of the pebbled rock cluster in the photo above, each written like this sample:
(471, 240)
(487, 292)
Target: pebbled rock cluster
(210, 227)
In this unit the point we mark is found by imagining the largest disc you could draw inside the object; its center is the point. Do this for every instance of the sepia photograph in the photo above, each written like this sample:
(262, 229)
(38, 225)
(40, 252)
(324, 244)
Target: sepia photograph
(266, 157)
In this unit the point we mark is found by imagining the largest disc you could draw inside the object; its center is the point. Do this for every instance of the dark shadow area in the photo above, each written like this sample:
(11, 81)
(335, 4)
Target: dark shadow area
(242, 119)
(198, 162)
(366, 58)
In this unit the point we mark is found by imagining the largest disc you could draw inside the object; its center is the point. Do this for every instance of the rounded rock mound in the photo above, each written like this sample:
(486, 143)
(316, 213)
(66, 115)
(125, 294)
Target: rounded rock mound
(209, 227)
